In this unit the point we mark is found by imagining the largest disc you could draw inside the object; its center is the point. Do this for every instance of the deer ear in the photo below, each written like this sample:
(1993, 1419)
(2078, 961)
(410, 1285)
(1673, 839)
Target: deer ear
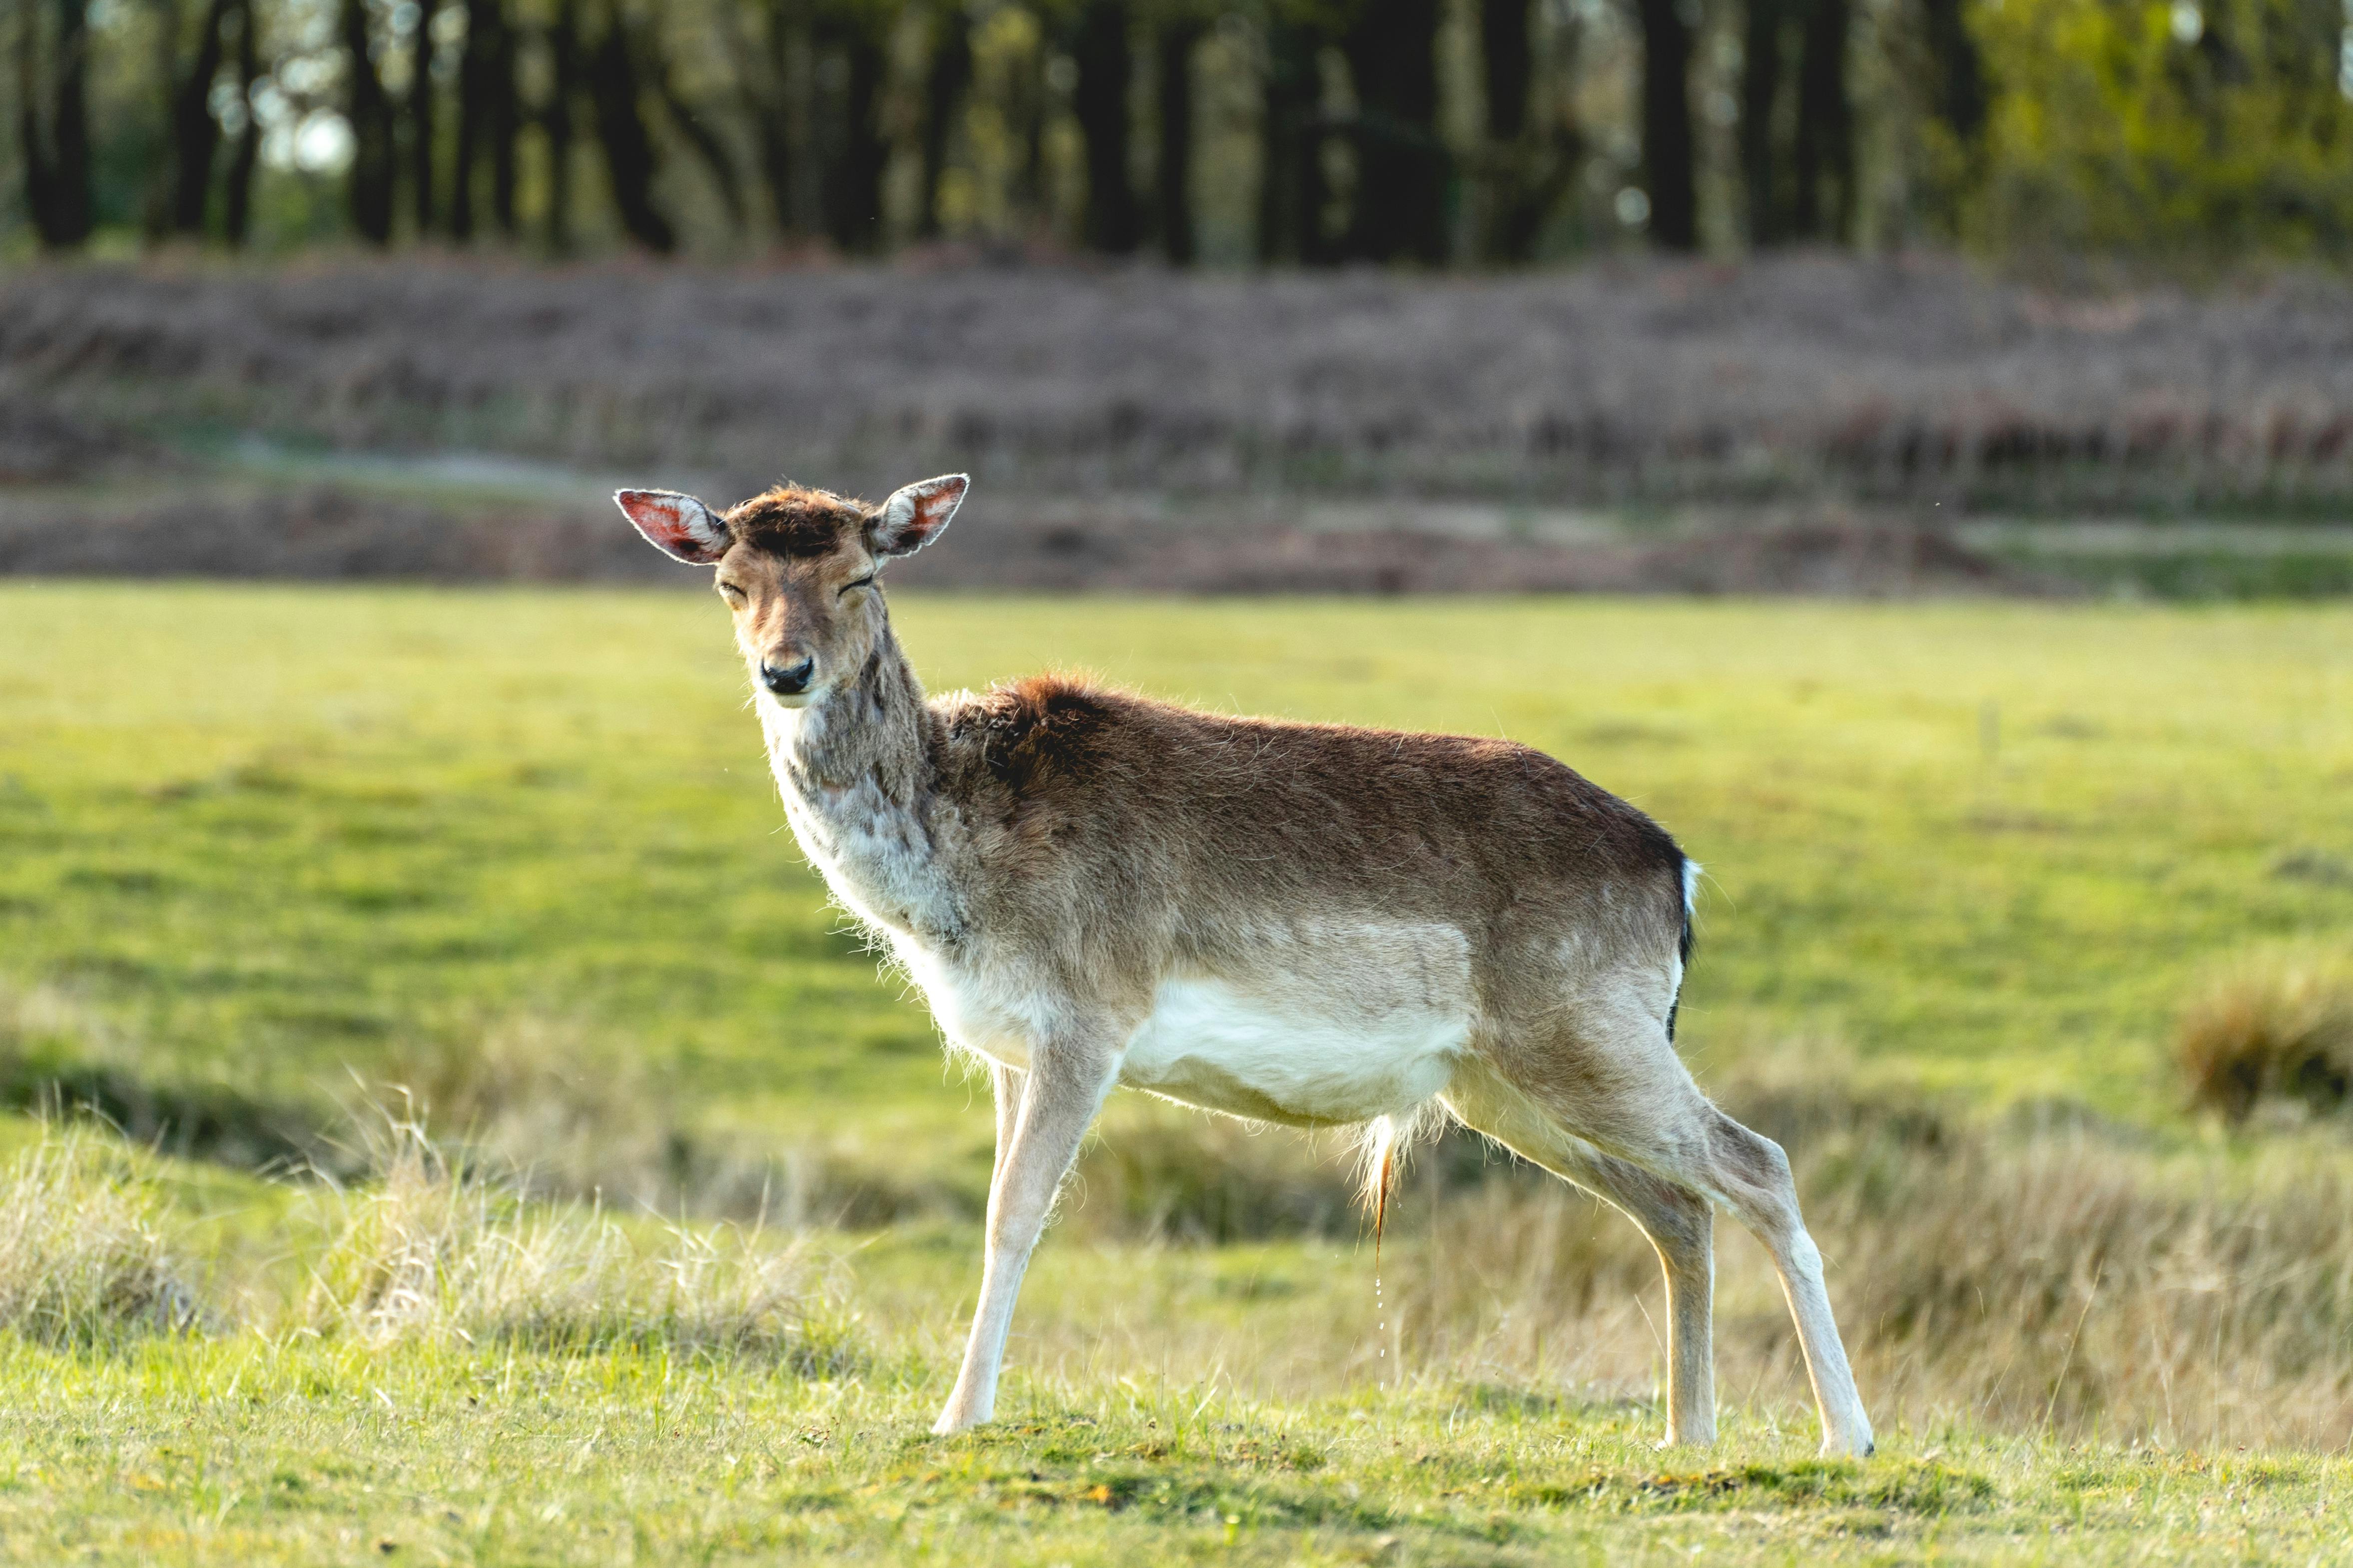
(680, 526)
(914, 516)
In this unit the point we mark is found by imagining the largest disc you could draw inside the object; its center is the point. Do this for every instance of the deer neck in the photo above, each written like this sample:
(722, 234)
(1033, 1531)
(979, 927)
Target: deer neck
(860, 790)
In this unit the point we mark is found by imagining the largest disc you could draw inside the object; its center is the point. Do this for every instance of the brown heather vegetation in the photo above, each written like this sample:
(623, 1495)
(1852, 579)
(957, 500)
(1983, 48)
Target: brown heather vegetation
(1905, 379)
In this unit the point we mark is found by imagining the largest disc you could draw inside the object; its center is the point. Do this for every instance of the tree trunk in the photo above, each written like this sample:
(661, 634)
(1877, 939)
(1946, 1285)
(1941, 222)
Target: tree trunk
(1669, 149)
(1173, 170)
(1507, 66)
(196, 134)
(852, 176)
(1399, 209)
(946, 83)
(421, 118)
(1760, 91)
(475, 67)
(1290, 190)
(564, 56)
(1104, 61)
(1824, 160)
(237, 208)
(57, 156)
(630, 157)
(504, 118)
(1513, 162)
(1960, 89)
(370, 112)
(1957, 97)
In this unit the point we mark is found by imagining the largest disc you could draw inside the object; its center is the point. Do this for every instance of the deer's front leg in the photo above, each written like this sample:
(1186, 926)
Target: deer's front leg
(1006, 1083)
(1058, 1098)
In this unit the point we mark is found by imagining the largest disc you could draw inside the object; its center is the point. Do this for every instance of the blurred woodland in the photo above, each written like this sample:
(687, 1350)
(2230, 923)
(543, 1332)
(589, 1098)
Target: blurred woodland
(1437, 133)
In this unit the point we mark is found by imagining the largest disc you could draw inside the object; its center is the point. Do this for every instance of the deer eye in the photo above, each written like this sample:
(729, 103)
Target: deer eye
(732, 593)
(865, 581)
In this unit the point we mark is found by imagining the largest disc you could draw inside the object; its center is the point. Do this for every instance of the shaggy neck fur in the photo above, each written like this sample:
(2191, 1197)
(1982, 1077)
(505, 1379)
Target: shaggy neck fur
(860, 788)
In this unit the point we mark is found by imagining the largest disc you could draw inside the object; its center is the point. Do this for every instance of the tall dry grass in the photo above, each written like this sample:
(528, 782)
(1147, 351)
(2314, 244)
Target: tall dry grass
(2059, 1276)
(2274, 1026)
(425, 1253)
(85, 1257)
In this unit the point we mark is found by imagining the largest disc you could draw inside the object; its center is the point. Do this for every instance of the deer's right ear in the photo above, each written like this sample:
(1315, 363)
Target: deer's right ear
(679, 526)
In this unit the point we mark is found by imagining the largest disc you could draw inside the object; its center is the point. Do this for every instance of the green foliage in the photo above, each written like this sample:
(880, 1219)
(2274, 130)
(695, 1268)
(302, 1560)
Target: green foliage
(2161, 128)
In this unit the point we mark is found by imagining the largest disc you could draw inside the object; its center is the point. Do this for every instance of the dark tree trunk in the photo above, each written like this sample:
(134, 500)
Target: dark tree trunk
(1825, 145)
(1760, 91)
(196, 134)
(369, 109)
(503, 125)
(421, 119)
(477, 76)
(57, 156)
(630, 157)
(1957, 97)
(1669, 149)
(1173, 169)
(1104, 61)
(946, 83)
(852, 176)
(1959, 88)
(1513, 184)
(1399, 209)
(1290, 190)
(237, 205)
(564, 58)
(1507, 67)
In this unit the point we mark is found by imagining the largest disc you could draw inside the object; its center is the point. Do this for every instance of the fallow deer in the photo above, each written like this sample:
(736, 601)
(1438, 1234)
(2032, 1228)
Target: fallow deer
(1300, 923)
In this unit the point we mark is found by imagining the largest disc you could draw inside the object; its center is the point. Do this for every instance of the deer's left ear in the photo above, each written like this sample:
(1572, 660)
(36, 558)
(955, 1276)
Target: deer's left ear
(680, 526)
(914, 516)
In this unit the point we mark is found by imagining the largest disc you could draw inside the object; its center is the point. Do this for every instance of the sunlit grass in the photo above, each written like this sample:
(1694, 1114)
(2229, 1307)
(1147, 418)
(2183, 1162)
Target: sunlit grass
(269, 851)
(271, 834)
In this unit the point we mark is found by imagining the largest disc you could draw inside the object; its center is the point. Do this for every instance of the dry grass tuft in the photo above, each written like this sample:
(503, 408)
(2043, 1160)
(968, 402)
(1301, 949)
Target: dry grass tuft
(83, 1256)
(548, 1106)
(2276, 1026)
(429, 1254)
(2026, 1280)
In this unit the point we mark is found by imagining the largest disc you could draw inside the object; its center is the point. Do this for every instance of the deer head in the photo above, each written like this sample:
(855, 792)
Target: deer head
(798, 567)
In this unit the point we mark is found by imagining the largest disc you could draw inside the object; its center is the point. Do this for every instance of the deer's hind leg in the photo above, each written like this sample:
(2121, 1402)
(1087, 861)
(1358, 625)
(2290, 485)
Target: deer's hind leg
(1677, 1220)
(1608, 1075)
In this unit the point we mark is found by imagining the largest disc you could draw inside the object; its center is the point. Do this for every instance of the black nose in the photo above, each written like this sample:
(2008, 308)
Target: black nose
(789, 681)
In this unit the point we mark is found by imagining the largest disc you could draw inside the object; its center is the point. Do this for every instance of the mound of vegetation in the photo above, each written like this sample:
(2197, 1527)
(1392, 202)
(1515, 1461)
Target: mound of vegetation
(1907, 380)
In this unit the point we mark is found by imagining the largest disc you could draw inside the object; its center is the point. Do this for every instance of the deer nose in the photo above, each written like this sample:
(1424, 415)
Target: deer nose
(788, 680)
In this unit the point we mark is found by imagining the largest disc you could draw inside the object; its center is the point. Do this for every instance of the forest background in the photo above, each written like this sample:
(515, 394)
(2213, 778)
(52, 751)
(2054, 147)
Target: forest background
(2044, 132)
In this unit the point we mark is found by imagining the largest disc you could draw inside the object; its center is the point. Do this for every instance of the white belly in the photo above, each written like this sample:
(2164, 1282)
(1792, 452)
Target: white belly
(1330, 1023)
(1292, 1058)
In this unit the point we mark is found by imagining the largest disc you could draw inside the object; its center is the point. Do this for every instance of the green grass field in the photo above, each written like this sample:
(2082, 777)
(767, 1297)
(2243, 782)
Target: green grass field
(282, 840)
(268, 831)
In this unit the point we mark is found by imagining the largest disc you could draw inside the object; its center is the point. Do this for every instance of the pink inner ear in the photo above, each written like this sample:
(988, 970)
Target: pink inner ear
(934, 506)
(671, 521)
(658, 515)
